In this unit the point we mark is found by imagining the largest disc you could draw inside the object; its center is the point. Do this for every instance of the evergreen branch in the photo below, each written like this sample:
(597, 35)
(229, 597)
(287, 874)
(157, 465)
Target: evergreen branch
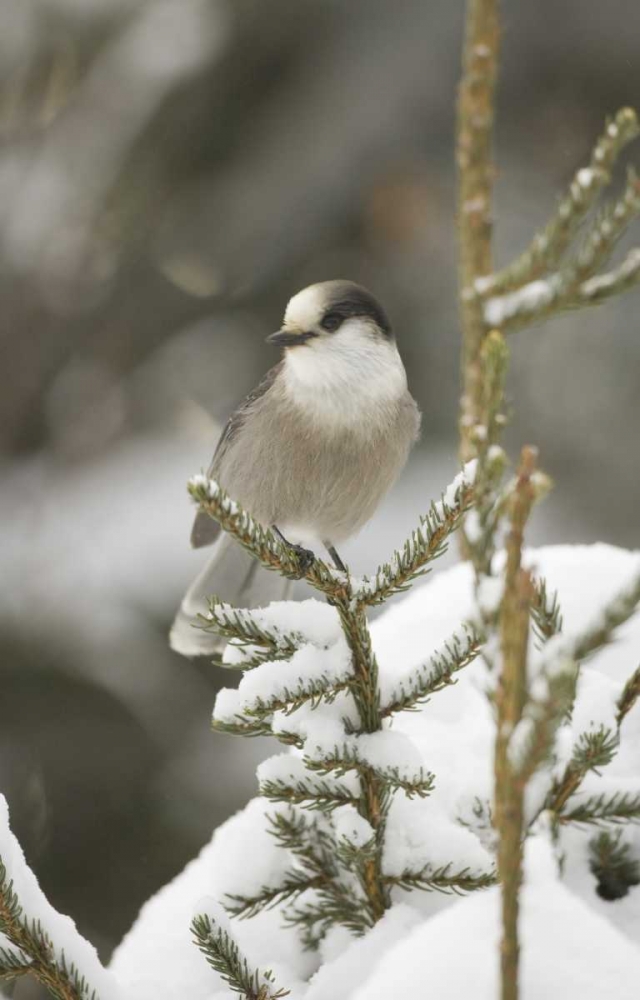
(619, 807)
(312, 846)
(592, 751)
(223, 955)
(548, 247)
(458, 652)
(562, 291)
(316, 919)
(576, 284)
(604, 286)
(346, 758)
(611, 862)
(317, 855)
(629, 696)
(613, 615)
(289, 829)
(240, 625)
(425, 544)
(545, 612)
(32, 941)
(532, 740)
(13, 962)
(475, 184)
(321, 795)
(558, 671)
(293, 884)
(606, 231)
(246, 727)
(261, 542)
(442, 879)
(478, 818)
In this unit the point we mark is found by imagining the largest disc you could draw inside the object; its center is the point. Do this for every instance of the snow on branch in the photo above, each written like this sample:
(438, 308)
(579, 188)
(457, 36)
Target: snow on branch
(311, 675)
(246, 630)
(37, 939)
(604, 286)
(457, 653)
(389, 756)
(285, 778)
(548, 247)
(574, 283)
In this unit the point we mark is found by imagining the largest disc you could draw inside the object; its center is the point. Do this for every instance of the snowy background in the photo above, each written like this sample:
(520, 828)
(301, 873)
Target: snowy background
(171, 171)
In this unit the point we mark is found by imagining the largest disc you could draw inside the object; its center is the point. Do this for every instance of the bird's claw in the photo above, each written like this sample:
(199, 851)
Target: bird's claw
(305, 558)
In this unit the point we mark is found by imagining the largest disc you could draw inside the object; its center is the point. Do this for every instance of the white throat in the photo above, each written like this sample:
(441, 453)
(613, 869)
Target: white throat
(348, 379)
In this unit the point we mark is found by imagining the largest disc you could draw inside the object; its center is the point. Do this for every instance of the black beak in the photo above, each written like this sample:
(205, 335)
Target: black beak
(290, 338)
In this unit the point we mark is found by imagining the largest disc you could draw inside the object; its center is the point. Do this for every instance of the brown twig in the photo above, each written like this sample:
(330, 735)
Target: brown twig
(630, 695)
(510, 701)
(475, 183)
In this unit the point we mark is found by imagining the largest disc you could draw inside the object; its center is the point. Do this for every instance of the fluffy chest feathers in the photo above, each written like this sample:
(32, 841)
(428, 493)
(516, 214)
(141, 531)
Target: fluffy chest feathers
(345, 384)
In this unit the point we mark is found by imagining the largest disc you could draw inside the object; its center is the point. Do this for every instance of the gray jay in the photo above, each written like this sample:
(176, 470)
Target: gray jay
(311, 451)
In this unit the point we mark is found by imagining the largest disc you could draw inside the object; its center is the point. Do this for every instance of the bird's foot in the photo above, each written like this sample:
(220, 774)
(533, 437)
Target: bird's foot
(305, 557)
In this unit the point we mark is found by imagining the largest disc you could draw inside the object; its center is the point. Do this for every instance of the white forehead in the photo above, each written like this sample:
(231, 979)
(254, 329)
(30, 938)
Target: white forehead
(305, 308)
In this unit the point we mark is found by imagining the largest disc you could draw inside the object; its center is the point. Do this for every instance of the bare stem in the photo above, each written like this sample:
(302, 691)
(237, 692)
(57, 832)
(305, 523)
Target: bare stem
(511, 698)
(475, 183)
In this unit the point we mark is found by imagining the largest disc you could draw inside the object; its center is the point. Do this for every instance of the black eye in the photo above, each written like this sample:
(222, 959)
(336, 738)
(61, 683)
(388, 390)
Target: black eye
(331, 322)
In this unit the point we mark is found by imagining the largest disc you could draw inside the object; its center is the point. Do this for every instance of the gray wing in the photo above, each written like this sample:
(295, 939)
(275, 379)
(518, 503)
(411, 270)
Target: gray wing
(205, 530)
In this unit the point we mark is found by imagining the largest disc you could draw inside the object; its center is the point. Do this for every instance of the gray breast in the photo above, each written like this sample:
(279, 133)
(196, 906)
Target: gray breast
(286, 471)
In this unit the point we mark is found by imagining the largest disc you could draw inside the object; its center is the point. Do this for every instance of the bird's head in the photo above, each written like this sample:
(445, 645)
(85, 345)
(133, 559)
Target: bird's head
(333, 315)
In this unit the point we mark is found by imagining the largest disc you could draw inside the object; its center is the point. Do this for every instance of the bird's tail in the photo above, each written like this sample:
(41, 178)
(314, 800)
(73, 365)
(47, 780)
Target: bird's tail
(233, 576)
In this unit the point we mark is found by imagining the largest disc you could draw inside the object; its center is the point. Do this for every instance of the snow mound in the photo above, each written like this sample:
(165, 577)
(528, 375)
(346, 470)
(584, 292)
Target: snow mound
(567, 950)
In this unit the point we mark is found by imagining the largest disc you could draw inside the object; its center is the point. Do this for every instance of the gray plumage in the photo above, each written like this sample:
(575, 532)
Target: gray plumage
(312, 450)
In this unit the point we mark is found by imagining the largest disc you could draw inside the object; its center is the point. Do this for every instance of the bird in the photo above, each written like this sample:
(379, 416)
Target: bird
(310, 452)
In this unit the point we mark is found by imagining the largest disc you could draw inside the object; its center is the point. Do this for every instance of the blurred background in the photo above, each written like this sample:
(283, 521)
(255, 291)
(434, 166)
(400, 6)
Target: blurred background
(171, 172)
